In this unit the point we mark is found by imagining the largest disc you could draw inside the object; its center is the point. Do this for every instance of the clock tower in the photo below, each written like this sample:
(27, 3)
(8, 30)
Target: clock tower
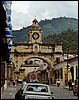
(35, 33)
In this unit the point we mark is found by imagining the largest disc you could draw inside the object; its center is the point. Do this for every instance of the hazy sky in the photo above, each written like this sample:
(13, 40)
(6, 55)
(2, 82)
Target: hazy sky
(23, 12)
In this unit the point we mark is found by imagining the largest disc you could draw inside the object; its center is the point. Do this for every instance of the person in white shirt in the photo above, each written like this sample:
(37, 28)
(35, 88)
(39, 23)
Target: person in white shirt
(24, 84)
(72, 85)
(58, 83)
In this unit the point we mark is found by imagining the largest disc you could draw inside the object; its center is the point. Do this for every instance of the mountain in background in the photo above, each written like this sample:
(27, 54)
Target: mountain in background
(53, 26)
(68, 39)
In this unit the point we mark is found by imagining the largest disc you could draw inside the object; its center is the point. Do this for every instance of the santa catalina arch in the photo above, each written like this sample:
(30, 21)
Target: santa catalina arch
(35, 57)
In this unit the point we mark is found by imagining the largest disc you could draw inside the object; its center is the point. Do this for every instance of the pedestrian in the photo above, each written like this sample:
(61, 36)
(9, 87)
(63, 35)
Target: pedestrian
(58, 83)
(24, 84)
(18, 95)
(14, 83)
(70, 84)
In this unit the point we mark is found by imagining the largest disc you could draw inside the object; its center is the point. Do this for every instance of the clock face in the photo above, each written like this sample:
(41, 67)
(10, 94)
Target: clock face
(35, 35)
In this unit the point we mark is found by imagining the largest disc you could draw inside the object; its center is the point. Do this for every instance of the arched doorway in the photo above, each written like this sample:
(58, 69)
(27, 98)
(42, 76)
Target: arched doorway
(37, 69)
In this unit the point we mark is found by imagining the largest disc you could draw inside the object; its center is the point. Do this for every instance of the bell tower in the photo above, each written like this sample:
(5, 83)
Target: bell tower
(35, 33)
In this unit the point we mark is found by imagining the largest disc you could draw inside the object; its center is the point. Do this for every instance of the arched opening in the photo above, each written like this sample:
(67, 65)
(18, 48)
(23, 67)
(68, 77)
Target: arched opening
(37, 68)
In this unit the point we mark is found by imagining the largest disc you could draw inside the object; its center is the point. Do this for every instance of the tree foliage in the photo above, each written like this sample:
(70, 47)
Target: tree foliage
(68, 38)
(52, 26)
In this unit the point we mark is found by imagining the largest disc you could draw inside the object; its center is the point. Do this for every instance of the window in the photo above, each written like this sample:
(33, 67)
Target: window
(21, 73)
(30, 62)
(26, 62)
(39, 88)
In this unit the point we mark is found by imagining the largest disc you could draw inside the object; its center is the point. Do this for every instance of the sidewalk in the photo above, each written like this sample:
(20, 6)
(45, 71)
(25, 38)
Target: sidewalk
(9, 93)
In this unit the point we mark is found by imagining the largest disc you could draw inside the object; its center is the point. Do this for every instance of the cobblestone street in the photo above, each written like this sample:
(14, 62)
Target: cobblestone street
(59, 92)
(9, 93)
(62, 93)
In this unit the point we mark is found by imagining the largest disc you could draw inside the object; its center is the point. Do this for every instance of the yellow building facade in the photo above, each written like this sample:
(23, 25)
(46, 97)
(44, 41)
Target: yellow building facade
(63, 74)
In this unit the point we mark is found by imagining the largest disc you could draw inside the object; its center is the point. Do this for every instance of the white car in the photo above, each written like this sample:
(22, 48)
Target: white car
(37, 91)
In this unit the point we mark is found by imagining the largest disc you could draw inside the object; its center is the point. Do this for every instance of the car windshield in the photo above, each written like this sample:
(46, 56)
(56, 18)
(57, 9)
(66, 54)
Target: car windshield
(39, 88)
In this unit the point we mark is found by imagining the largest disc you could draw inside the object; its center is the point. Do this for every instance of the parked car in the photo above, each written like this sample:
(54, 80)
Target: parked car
(37, 91)
(75, 89)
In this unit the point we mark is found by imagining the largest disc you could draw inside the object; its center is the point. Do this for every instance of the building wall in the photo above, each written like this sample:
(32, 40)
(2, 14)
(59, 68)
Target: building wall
(35, 49)
(23, 52)
(72, 62)
(4, 57)
(8, 30)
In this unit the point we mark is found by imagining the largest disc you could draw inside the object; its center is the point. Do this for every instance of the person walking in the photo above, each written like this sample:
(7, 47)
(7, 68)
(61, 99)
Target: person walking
(14, 83)
(18, 95)
(24, 84)
(58, 83)
(70, 84)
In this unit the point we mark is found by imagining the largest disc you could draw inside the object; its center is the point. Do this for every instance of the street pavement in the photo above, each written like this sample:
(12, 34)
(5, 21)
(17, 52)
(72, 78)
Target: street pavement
(9, 93)
(62, 92)
(59, 92)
